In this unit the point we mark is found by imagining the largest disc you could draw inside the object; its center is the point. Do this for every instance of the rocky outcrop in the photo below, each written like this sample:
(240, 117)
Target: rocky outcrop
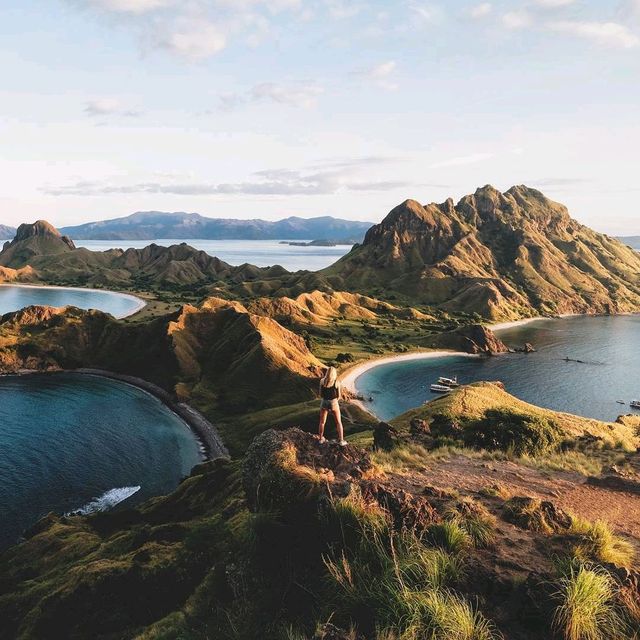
(502, 255)
(32, 240)
(475, 338)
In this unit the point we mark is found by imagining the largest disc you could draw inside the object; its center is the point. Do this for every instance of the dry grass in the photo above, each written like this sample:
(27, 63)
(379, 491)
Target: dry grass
(588, 610)
(600, 544)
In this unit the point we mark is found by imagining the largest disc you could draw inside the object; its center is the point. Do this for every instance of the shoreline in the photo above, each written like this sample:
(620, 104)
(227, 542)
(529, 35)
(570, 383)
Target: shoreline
(140, 303)
(350, 376)
(207, 436)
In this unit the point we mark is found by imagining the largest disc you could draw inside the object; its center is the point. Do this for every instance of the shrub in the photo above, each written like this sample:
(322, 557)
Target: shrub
(600, 544)
(520, 433)
(449, 535)
(588, 610)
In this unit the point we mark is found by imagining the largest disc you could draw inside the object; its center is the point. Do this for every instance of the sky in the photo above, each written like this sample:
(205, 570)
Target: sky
(254, 108)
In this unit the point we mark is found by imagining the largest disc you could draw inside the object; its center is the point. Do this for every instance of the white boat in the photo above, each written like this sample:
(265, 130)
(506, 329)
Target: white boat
(440, 388)
(635, 404)
(448, 382)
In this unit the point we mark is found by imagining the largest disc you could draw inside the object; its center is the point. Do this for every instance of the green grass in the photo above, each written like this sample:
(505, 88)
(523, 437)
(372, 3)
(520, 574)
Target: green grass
(588, 610)
(600, 544)
(450, 535)
(395, 580)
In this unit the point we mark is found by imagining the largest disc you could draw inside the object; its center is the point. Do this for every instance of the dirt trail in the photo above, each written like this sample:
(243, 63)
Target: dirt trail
(565, 489)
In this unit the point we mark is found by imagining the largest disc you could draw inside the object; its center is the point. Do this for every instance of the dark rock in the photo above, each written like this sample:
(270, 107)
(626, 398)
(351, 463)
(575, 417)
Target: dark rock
(527, 348)
(536, 515)
(418, 427)
(385, 437)
(407, 511)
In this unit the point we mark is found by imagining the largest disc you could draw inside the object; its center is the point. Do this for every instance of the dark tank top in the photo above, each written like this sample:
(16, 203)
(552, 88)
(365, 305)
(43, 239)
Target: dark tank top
(329, 393)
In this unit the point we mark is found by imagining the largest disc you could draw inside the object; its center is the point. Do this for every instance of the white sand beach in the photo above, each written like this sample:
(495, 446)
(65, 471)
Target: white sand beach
(348, 379)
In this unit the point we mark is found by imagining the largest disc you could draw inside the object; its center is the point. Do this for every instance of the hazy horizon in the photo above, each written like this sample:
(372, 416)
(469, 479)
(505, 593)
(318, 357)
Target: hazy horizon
(256, 109)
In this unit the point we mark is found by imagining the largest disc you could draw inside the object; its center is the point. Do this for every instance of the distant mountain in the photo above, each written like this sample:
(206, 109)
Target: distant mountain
(149, 225)
(631, 241)
(502, 255)
(6, 233)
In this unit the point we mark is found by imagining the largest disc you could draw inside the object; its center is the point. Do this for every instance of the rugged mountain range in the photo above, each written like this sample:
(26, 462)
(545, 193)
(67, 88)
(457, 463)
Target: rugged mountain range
(502, 255)
(150, 225)
(6, 233)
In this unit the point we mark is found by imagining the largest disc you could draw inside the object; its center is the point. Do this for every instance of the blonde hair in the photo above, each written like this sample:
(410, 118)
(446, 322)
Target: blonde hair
(330, 377)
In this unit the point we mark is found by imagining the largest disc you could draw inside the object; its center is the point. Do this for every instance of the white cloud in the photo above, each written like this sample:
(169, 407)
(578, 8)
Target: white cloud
(108, 107)
(303, 96)
(380, 75)
(131, 6)
(192, 38)
(427, 12)
(609, 34)
(481, 10)
(462, 160)
(516, 19)
(342, 9)
(554, 4)
(279, 182)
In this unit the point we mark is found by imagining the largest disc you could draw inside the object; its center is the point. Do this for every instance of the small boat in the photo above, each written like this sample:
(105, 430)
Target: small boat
(621, 402)
(635, 404)
(448, 382)
(440, 388)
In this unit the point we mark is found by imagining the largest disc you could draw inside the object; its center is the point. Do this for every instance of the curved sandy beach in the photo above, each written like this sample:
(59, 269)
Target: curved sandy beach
(140, 303)
(350, 377)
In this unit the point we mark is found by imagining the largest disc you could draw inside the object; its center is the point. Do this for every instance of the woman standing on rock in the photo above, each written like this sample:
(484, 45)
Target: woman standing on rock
(330, 391)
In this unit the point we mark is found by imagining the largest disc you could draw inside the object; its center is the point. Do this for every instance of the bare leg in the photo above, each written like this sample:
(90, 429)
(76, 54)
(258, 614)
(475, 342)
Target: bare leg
(323, 420)
(338, 418)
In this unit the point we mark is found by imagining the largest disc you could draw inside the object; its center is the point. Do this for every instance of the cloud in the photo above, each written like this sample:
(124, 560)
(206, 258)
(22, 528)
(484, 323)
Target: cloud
(192, 38)
(342, 9)
(108, 107)
(131, 6)
(517, 19)
(559, 182)
(462, 160)
(304, 96)
(380, 75)
(608, 34)
(327, 178)
(427, 12)
(479, 11)
(198, 29)
(554, 4)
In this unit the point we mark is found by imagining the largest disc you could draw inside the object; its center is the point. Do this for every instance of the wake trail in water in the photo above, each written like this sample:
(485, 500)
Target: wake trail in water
(106, 501)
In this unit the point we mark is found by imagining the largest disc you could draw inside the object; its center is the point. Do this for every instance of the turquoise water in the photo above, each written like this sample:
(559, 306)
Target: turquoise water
(119, 305)
(70, 441)
(609, 347)
(262, 253)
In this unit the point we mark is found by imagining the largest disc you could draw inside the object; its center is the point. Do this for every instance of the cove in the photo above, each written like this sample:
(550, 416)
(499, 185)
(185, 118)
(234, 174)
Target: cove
(608, 346)
(119, 305)
(72, 442)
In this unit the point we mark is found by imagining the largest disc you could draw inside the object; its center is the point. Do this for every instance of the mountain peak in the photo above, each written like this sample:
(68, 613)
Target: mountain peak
(39, 228)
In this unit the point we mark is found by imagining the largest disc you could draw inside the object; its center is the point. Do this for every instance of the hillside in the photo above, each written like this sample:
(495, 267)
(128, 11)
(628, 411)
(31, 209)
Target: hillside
(151, 225)
(218, 355)
(327, 543)
(502, 255)
(32, 241)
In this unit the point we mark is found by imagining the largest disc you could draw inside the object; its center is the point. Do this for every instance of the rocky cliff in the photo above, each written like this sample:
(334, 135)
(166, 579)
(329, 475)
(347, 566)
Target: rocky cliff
(502, 255)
